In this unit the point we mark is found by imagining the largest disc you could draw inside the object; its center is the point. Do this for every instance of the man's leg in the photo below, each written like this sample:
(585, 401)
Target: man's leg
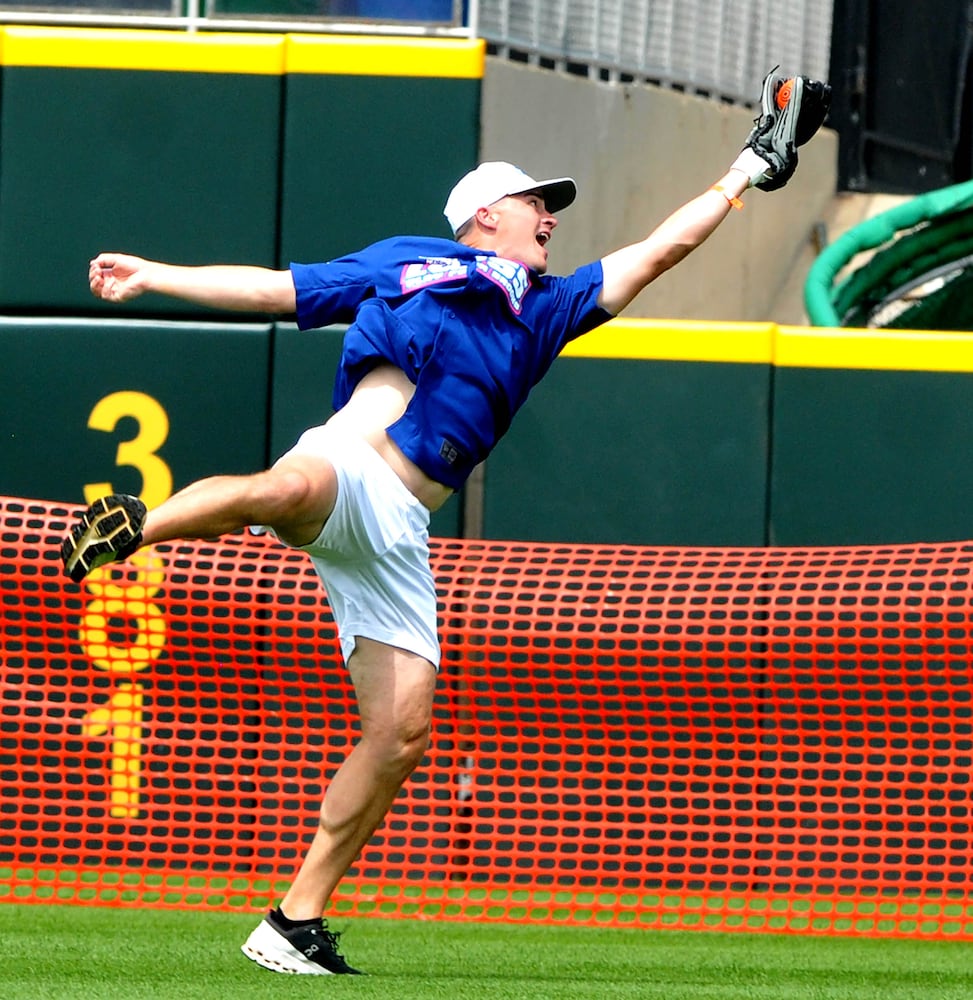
(295, 498)
(395, 695)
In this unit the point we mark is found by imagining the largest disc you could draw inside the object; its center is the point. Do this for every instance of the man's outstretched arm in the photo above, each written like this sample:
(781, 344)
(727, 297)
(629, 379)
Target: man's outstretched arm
(791, 111)
(117, 277)
(627, 271)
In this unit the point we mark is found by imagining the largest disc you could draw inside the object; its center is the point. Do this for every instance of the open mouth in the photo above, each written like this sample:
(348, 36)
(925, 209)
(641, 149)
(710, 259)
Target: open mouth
(543, 237)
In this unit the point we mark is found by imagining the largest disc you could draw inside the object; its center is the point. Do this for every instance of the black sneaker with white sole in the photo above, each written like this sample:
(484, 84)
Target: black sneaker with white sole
(308, 950)
(108, 531)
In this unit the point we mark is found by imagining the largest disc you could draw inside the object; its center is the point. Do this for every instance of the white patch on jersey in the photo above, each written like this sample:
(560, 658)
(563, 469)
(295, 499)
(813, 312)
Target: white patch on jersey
(512, 277)
(431, 271)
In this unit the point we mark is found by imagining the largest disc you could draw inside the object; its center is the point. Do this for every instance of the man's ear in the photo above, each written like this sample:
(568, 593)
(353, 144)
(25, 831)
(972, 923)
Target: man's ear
(486, 218)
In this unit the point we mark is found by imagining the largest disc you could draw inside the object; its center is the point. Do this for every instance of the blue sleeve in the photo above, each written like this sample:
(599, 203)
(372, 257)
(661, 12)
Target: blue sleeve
(571, 305)
(332, 292)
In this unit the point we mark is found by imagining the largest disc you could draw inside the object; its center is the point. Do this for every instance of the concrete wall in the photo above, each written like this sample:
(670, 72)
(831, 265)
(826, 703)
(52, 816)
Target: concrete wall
(637, 153)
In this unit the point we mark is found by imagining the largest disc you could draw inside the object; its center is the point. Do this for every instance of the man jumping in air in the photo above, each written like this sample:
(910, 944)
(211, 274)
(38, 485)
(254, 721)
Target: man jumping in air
(446, 338)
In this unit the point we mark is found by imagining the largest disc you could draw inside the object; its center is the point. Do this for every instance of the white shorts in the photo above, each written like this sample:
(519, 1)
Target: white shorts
(373, 553)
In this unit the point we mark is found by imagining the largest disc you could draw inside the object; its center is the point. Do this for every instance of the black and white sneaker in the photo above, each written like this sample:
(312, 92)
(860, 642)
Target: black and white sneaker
(108, 531)
(308, 950)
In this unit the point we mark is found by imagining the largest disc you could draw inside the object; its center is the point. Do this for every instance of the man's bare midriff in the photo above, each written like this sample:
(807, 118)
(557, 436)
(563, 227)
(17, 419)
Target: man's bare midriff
(378, 401)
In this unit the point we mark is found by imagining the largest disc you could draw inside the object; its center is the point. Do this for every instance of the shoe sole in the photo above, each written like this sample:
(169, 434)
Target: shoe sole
(271, 951)
(108, 530)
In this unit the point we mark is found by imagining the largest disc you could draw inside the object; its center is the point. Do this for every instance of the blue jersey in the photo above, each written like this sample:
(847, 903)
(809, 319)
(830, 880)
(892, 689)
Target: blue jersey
(473, 331)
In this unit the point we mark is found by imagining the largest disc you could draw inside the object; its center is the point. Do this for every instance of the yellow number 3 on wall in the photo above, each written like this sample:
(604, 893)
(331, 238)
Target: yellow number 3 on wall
(140, 451)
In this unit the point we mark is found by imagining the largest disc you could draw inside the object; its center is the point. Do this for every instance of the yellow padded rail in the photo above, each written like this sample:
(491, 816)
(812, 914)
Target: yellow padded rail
(169, 51)
(678, 340)
(230, 52)
(782, 346)
(897, 350)
(353, 55)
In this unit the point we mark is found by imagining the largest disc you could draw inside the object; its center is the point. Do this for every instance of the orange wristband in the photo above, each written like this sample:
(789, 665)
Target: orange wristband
(735, 202)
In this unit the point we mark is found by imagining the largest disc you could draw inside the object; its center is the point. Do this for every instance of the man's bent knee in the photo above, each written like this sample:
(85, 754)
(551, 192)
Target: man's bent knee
(398, 754)
(413, 750)
(299, 498)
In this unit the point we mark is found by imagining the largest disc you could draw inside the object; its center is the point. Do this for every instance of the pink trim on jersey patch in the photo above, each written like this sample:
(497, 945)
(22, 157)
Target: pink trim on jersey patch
(510, 276)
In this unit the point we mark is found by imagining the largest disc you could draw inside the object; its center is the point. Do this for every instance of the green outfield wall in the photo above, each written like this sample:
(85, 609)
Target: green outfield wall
(209, 147)
(742, 434)
(650, 433)
(94, 407)
(872, 436)
(642, 431)
(147, 142)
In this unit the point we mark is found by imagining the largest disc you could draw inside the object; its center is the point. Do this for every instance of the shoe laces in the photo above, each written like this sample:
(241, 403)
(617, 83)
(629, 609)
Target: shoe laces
(331, 938)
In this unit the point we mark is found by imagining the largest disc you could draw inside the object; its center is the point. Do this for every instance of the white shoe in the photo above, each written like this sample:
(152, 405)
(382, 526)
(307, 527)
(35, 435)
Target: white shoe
(310, 950)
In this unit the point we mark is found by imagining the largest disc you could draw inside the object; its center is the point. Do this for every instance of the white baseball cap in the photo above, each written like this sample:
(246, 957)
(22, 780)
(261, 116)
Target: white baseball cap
(495, 180)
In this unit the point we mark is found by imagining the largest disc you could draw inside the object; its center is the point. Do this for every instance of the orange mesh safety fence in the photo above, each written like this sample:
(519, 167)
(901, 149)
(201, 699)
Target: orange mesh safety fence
(735, 739)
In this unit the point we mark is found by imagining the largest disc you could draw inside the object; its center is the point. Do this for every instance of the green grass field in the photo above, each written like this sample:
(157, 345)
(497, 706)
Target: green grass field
(91, 953)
